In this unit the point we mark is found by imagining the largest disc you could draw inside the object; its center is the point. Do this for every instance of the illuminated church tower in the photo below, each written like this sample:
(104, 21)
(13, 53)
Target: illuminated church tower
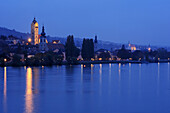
(43, 42)
(34, 32)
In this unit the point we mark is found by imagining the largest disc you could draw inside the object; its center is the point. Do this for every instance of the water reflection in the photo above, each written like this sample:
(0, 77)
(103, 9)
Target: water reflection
(5, 89)
(119, 71)
(92, 66)
(36, 79)
(158, 78)
(100, 72)
(168, 71)
(81, 72)
(28, 92)
(110, 72)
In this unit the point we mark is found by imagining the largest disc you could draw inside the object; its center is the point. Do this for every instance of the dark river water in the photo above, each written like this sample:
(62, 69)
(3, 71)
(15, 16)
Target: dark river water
(100, 88)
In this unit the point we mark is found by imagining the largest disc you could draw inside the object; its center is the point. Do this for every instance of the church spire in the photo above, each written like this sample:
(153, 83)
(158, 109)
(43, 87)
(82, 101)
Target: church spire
(43, 32)
(34, 21)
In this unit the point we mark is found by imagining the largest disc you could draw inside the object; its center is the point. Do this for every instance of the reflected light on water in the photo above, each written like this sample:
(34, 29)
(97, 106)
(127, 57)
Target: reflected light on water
(100, 72)
(100, 80)
(5, 83)
(25, 68)
(140, 72)
(5, 89)
(110, 71)
(158, 78)
(168, 71)
(36, 79)
(92, 66)
(119, 71)
(28, 92)
(81, 72)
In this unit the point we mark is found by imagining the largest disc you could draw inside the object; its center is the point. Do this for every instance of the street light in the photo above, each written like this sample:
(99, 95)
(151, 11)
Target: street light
(5, 60)
(29, 40)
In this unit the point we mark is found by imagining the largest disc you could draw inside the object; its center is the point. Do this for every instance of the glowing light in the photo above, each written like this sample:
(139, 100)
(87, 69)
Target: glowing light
(29, 39)
(36, 24)
(46, 41)
(100, 58)
(158, 58)
(92, 59)
(133, 48)
(130, 58)
(54, 42)
(5, 60)
(149, 49)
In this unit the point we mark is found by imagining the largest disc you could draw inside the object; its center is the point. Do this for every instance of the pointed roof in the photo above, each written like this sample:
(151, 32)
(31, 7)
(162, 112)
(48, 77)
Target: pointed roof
(95, 40)
(34, 21)
(43, 32)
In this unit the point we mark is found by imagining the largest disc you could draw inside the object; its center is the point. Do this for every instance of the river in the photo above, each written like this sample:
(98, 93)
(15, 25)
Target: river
(99, 88)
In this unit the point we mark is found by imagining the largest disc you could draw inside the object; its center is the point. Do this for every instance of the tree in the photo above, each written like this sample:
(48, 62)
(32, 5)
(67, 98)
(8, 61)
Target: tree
(137, 55)
(87, 51)
(104, 55)
(123, 53)
(162, 53)
(71, 50)
(16, 60)
(3, 37)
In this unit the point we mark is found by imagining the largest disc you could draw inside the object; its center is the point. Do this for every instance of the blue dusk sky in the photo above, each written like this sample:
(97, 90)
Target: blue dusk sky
(138, 21)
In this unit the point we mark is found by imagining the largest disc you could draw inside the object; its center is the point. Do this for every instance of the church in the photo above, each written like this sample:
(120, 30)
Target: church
(38, 39)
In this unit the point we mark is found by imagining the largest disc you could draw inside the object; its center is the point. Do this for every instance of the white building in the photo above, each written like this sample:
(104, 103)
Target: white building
(43, 42)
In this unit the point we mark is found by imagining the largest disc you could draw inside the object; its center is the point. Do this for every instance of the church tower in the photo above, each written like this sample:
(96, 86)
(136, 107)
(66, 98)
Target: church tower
(34, 32)
(43, 42)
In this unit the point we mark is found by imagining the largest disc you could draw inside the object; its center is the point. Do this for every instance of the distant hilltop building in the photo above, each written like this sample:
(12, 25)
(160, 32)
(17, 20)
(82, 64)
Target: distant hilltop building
(132, 47)
(43, 42)
(34, 32)
(56, 41)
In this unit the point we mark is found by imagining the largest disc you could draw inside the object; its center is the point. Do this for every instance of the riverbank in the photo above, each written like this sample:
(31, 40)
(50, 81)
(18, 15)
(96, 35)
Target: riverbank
(93, 62)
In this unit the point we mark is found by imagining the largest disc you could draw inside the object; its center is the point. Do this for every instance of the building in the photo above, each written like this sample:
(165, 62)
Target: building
(56, 41)
(34, 32)
(95, 44)
(132, 47)
(43, 42)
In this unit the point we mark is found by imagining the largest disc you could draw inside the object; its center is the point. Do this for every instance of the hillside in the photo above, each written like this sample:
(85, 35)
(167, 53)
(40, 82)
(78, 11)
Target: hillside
(78, 41)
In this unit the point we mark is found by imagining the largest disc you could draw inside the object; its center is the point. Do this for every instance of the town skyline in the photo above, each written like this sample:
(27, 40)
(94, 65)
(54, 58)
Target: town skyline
(140, 22)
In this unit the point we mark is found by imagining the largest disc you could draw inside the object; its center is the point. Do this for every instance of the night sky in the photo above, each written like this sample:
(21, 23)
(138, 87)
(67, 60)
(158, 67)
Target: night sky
(137, 21)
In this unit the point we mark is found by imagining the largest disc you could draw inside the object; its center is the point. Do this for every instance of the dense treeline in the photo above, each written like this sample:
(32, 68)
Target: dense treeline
(72, 52)
(87, 51)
